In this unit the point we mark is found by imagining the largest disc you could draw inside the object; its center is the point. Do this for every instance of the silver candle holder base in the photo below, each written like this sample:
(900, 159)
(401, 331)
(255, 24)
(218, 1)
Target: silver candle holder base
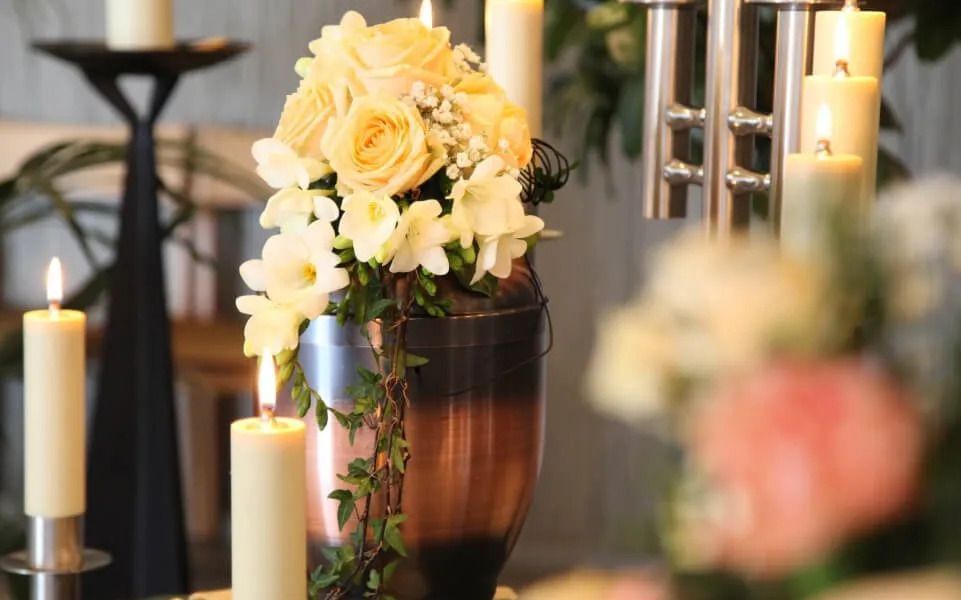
(55, 558)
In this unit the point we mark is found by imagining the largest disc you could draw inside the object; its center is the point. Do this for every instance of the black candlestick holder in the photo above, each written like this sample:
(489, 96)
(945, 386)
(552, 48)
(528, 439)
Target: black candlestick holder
(135, 508)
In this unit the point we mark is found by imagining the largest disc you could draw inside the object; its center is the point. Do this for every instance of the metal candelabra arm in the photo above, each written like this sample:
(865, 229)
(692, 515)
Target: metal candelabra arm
(728, 118)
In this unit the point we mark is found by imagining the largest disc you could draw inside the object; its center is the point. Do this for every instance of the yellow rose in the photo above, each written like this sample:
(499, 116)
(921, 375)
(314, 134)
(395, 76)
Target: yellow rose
(388, 57)
(306, 115)
(381, 146)
(515, 130)
(492, 115)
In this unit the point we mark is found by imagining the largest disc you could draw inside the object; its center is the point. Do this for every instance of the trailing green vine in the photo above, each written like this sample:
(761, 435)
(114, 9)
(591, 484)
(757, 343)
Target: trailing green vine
(375, 546)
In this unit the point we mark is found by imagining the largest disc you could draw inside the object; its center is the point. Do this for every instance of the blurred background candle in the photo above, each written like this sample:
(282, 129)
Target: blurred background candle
(855, 107)
(866, 31)
(815, 183)
(54, 406)
(139, 24)
(426, 14)
(268, 492)
(515, 40)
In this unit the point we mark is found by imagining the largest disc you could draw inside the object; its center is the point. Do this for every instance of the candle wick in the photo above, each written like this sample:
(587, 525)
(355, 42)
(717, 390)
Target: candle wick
(267, 416)
(841, 69)
(851, 5)
(824, 149)
(54, 308)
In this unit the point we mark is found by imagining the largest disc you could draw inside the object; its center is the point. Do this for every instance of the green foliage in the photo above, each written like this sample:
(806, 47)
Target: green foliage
(364, 566)
(937, 27)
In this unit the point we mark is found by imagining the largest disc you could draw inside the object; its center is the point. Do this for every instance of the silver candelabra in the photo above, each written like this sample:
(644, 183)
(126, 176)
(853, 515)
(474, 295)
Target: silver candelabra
(729, 118)
(55, 558)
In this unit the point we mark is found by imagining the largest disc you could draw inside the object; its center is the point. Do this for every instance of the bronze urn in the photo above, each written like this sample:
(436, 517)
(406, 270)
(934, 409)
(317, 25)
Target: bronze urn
(476, 429)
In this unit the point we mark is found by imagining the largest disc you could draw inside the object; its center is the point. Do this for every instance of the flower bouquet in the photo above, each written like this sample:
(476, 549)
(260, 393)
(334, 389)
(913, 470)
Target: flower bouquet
(399, 303)
(814, 400)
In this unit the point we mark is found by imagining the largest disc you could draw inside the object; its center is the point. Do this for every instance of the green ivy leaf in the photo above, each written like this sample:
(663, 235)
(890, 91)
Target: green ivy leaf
(285, 356)
(414, 361)
(302, 399)
(285, 372)
(397, 458)
(390, 569)
(345, 508)
(392, 536)
(373, 580)
(320, 410)
(378, 307)
(330, 554)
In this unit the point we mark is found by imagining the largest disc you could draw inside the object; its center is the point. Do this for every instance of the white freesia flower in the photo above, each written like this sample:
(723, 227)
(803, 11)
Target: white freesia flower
(708, 311)
(280, 166)
(628, 337)
(419, 240)
(497, 252)
(368, 221)
(298, 270)
(291, 210)
(917, 231)
(271, 328)
(487, 204)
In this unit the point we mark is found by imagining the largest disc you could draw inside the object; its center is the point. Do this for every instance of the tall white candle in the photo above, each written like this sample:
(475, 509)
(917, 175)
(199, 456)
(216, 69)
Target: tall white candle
(515, 40)
(816, 184)
(268, 492)
(866, 31)
(54, 406)
(139, 24)
(855, 106)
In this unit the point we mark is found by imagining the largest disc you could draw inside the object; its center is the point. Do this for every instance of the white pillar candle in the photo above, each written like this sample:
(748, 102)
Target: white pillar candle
(54, 389)
(268, 492)
(855, 107)
(515, 41)
(816, 185)
(139, 24)
(866, 31)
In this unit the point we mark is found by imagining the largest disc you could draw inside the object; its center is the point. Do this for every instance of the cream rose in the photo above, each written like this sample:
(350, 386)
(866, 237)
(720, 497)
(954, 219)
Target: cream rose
(513, 137)
(381, 146)
(306, 115)
(491, 114)
(388, 57)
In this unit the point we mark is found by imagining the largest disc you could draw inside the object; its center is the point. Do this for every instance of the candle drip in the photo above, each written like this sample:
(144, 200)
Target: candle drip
(824, 149)
(841, 69)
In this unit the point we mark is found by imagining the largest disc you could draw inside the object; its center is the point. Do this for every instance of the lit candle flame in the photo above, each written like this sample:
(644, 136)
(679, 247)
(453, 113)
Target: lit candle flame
(824, 126)
(267, 386)
(427, 14)
(54, 284)
(842, 42)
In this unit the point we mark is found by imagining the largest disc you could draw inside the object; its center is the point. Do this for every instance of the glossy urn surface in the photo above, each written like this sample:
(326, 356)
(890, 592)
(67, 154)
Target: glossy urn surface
(476, 429)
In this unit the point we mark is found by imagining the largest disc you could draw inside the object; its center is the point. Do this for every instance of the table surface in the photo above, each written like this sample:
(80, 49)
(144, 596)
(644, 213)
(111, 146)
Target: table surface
(503, 593)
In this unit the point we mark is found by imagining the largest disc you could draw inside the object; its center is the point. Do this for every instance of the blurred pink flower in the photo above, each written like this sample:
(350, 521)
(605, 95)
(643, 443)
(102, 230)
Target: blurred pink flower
(803, 457)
